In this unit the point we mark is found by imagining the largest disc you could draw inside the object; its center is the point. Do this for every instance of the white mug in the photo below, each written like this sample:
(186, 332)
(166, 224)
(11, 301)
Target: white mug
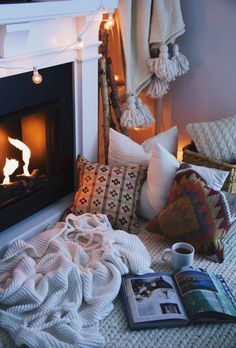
(181, 254)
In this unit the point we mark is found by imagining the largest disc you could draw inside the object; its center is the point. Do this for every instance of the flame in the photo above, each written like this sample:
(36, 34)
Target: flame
(9, 168)
(11, 164)
(26, 153)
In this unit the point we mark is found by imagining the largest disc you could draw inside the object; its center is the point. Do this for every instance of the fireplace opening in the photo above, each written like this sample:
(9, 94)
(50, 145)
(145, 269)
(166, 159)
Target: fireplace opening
(36, 142)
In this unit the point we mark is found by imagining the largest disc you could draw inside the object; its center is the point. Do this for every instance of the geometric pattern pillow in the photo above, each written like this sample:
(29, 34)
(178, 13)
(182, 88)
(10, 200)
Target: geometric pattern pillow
(195, 214)
(110, 190)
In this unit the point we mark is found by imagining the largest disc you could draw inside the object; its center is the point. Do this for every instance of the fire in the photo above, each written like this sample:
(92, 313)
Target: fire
(26, 153)
(9, 168)
(12, 164)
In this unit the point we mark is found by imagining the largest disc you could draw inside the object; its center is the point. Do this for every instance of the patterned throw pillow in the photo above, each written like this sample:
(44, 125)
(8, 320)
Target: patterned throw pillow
(195, 214)
(215, 139)
(110, 190)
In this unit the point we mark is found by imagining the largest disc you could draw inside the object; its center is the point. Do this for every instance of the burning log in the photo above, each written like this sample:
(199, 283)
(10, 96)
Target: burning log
(28, 178)
(13, 186)
(22, 182)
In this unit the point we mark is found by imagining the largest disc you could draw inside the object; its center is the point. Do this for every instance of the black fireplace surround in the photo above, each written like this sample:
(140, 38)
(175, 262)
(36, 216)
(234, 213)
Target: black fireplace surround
(40, 116)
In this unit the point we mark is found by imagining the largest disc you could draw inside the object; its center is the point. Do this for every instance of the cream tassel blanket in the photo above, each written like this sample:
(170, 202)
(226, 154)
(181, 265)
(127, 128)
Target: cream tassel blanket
(56, 287)
(147, 27)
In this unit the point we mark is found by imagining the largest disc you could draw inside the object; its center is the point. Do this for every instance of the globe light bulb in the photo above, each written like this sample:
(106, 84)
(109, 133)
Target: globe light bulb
(109, 23)
(36, 78)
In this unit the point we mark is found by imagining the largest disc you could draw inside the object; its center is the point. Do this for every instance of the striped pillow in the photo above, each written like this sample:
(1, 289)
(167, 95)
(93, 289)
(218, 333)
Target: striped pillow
(110, 190)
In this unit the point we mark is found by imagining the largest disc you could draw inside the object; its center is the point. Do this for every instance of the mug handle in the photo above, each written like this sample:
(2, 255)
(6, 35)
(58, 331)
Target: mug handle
(165, 252)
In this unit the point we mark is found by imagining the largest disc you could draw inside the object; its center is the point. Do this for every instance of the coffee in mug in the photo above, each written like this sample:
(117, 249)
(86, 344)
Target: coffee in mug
(183, 251)
(181, 254)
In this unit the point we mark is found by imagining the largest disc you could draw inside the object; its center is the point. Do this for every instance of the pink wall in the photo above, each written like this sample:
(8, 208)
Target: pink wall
(208, 91)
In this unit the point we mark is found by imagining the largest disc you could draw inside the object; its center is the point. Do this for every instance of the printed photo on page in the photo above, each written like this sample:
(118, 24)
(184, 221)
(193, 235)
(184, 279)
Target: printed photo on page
(153, 298)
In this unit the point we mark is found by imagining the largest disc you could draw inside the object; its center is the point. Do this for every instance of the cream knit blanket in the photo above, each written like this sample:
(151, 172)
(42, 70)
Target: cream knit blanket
(144, 22)
(147, 27)
(56, 287)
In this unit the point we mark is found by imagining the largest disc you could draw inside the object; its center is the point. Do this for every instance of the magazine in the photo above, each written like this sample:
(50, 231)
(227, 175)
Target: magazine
(169, 300)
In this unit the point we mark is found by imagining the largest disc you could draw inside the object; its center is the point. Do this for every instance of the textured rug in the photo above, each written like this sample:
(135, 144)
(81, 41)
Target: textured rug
(115, 328)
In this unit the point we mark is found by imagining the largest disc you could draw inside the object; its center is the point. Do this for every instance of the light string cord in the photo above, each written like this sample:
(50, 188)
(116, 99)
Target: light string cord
(78, 39)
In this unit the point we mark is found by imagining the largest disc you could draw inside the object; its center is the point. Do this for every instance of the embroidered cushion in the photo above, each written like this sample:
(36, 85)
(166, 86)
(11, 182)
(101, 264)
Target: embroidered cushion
(110, 190)
(195, 214)
(216, 139)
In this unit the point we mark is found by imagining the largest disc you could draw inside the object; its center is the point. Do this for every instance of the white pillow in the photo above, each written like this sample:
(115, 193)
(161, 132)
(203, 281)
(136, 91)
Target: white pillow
(125, 151)
(160, 177)
(215, 139)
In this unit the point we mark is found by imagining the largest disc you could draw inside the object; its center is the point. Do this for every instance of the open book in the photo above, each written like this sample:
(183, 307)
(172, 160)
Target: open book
(188, 295)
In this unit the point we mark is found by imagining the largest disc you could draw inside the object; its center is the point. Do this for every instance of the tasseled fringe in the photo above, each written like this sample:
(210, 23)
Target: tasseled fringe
(181, 64)
(157, 88)
(162, 66)
(147, 115)
(135, 114)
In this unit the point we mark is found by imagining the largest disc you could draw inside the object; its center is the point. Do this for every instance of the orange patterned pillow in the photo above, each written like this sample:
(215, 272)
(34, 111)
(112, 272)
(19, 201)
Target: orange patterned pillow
(110, 190)
(195, 214)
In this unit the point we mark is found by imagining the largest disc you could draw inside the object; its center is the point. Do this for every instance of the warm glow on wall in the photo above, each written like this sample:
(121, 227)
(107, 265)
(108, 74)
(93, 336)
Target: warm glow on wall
(3, 146)
(180, 151)
(34, 135)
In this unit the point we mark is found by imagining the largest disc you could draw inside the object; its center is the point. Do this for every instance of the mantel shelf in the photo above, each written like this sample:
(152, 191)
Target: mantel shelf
(43, 10)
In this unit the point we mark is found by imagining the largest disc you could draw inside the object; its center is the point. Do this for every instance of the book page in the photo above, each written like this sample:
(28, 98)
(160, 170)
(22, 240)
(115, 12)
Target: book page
(153, 297)
(201, 292)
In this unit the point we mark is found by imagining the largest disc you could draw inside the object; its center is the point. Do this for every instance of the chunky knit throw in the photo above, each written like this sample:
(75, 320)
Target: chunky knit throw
(147, 27)
(56, 287)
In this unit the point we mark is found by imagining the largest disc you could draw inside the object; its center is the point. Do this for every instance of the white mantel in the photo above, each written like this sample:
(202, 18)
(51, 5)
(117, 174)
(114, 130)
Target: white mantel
(35, 34)
(42, 10)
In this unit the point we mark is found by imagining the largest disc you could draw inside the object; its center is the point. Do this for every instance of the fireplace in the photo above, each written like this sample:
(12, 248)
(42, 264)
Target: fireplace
(36, 141)
(44, 34)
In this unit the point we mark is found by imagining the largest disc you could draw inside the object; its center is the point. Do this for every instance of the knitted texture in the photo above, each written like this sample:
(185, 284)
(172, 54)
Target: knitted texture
(218, 335)
(56, 287)
(217, 139)
(115, 328)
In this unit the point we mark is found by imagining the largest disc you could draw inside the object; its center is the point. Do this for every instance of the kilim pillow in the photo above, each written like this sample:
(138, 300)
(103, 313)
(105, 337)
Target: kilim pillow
(160, 178)
(195, 214)
(110, 190)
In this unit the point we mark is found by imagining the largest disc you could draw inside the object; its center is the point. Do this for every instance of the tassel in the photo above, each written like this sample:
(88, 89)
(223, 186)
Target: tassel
(135, 114)
(157, 87)
(147, 115)
(181, 64)
(162, 66)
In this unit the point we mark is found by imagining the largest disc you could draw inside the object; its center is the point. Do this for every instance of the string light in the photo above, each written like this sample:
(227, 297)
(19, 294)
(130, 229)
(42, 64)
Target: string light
(36, 78)
(109, 23)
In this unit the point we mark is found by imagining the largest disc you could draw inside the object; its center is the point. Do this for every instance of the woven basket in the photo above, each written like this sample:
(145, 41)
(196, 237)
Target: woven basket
(190, 155)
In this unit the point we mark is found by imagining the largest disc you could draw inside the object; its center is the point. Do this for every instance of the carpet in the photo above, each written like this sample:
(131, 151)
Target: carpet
(115, 329)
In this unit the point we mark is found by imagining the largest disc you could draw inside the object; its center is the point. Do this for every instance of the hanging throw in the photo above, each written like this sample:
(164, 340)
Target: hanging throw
(134, 18)
(146, 24)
